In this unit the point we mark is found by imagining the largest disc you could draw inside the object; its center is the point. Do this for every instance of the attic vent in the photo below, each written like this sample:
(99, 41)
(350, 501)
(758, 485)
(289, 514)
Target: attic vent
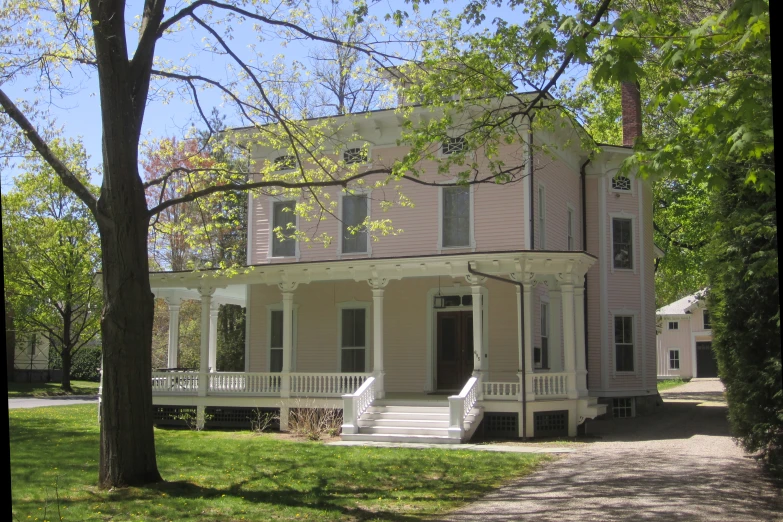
(285, 162)
(621, 183)
(550, 423)
(355, 155)
(453, 145)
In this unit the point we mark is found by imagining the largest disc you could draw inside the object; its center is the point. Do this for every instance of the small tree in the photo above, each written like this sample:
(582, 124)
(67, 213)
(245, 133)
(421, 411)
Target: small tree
(50, 254)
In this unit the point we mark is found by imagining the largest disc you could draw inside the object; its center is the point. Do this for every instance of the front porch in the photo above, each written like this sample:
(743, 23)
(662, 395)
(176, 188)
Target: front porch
(408, 370)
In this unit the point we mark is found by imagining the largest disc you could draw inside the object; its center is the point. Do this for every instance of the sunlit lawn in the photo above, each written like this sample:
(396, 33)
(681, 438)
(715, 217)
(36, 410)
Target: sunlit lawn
(669, 383)
(48, 389)
(230, 476)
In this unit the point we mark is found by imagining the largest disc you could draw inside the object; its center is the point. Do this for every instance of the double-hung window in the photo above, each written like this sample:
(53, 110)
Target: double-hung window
(283, 217)
(541, 217)
(623, 343)
(542, 357)
(674, 359)
(276, 341)
(674, 325)
(353, 341)
(707, 320)
(456, 217)
(354, 233)
(622, 243)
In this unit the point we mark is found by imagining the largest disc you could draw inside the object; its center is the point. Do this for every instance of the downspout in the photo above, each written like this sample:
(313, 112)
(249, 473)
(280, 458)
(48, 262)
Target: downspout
(532, 185)
(584, 248)
(522, 330)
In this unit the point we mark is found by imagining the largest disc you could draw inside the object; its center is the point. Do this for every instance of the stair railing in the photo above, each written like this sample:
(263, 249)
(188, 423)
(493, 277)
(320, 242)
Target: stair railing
(355, 404)
(460, 407)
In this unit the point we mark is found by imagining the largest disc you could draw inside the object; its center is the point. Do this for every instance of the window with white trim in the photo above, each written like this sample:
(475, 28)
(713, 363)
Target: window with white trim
(674, 325)
(276, 341)
(353, 340)
(283, 217)
(621, 183)
(355, 155)
(354, 214)
(674, 359)
(541, 356)
(622, 407)
(707, 320)
(622, 243)
(456, 217)
(570, 225)
(623, 343)
(541, 217)
(453, 145)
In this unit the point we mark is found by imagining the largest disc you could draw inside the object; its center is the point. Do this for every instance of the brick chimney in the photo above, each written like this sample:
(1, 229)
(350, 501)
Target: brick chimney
(632, 113)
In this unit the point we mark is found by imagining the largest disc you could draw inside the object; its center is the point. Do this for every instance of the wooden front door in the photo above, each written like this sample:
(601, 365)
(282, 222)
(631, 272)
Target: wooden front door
(706, 365)
(455, 349)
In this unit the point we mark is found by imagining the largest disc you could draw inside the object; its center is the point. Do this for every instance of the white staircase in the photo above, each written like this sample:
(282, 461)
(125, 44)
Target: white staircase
(409, 421)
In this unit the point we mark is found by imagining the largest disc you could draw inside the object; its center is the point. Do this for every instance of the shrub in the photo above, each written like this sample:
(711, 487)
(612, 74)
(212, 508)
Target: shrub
(315, 423)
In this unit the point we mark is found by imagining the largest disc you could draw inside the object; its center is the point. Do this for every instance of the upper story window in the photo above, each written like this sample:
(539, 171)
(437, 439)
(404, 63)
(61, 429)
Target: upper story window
(355, 155)
(623, 343)
(354, 214)
(283, 216)
(707, 320)
(622, 243)
(285, 162)
(621, 183)
(570, 231)
(353, 339)
(674, 325)
(453, 145)
(541, 217)
(456, 217)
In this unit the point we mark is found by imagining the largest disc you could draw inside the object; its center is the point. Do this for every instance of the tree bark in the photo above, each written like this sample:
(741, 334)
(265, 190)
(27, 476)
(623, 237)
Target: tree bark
(127, 452)
(66, 358)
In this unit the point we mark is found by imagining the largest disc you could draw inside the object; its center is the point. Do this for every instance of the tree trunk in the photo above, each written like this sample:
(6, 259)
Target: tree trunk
(66, 358)
(66, 351)
(127, 453)
(10, 343)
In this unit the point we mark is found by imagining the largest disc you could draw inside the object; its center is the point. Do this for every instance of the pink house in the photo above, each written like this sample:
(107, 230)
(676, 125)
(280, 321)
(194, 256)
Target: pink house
(527, 306)
(684, 341)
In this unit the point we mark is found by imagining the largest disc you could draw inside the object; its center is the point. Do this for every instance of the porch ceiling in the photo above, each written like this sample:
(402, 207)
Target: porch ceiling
(232, 285)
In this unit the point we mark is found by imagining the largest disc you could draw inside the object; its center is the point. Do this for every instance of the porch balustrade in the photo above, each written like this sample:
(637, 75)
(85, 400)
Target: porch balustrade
(244, 383)
(326, 384)
(503, 391)
(175, 383)
(551, 385)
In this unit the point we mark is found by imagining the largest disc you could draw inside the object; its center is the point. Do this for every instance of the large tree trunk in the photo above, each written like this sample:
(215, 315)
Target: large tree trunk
(66, 358)
(127, 455)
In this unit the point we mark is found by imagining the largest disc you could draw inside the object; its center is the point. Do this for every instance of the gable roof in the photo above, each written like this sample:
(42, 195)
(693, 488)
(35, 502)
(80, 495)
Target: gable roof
(682, 306)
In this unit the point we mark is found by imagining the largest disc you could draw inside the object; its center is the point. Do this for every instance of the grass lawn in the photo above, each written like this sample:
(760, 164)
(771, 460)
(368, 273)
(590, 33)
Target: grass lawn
(232, 476)
(48, 389)
(669, 383)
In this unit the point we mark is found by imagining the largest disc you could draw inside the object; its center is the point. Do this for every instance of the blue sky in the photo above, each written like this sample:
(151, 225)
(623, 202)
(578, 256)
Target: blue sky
(79, 113)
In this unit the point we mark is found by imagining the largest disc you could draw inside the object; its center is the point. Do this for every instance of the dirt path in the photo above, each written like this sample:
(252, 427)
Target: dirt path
(678, 464)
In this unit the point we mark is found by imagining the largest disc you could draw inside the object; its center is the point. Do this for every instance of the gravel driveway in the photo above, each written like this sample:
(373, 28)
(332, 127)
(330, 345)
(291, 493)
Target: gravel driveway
(678, 464)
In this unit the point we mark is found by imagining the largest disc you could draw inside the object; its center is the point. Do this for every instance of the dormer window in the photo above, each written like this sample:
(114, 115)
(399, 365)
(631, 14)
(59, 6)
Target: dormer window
(285, 162)
(355, 155)
(621, 183)
(454, 145)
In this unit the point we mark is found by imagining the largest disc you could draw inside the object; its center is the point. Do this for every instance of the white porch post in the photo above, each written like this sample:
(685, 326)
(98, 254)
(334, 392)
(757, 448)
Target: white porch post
(203, 378)
(288, 338)
(479, 352)
(378, 285)
(579, 332)
(555, 329)
(174, 306)
(569, 347)
(520, 343)
(527, 299)
(213, 317)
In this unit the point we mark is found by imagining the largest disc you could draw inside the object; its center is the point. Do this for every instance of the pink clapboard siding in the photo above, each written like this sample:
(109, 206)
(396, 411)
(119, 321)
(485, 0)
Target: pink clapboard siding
(679, 339)
(562, 189)
(498, 219)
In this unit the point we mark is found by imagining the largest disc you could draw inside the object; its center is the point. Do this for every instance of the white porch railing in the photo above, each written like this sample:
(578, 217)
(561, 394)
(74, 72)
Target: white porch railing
(244, 383)
(550, 384)
(460, 407)
(355, 404)
(175, 383)
(501, 391)
(326, 384)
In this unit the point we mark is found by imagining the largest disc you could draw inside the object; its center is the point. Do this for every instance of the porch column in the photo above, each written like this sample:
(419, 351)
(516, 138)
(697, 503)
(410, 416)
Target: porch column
(520, 342)
(569, 348)
(479, 354)
(288, 335)
(527, 300)
(377, 285)
(555, 329)
(213, 317)
(174, 306)
(579, 332)
(203, 378)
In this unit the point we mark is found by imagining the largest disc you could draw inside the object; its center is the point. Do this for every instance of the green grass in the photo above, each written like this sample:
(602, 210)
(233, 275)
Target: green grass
(670, 383)
(231, 476)
(49, 389)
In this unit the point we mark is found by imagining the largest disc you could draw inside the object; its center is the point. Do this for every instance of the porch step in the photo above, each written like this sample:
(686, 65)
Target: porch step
(412, 422)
